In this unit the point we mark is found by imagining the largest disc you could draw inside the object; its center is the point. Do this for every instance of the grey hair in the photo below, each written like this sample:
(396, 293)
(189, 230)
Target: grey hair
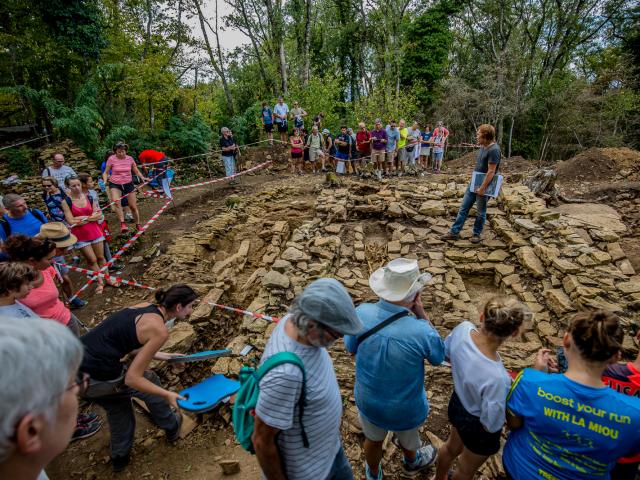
(224, 129)
(38, 358)
(299, 319)
(10, 199)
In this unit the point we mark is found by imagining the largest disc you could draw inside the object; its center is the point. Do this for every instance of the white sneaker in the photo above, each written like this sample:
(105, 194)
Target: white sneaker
(425, 458)
(128, 217)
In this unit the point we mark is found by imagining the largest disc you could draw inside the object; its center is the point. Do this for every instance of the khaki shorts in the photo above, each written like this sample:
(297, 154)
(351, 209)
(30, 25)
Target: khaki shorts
(409, 439)
(403, 155)
(391, 157)
(314, 153)
(377, 156)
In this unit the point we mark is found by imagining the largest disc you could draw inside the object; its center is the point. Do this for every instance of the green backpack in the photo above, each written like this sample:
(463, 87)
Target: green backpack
(247, 397)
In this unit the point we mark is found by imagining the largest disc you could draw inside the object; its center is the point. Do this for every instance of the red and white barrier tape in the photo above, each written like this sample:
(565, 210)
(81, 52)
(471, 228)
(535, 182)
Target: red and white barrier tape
(124, 248)
(121, 280)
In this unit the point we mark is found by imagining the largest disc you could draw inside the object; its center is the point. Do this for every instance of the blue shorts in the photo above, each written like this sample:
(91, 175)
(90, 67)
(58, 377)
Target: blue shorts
(342, 156)
(60, 259)
(438, 155)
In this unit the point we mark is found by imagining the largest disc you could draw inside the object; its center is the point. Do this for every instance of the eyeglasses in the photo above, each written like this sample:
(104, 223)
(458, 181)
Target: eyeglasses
(332, 333)
(82, 382)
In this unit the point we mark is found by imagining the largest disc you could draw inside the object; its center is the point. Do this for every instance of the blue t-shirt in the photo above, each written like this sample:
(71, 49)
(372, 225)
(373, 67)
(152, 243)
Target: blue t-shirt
(393, 136)
(571, 431)
(389, 387)
(28, 225)
(267, 115)
(426, 136)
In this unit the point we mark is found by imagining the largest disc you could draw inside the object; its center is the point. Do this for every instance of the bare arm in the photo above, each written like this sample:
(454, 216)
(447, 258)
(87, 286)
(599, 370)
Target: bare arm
(264, 443)
(152, 335)
(136, 170)
(514, 422)
(68, 216)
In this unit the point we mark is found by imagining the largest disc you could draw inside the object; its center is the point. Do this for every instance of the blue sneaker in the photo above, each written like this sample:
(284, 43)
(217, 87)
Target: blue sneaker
(369, 476)
(425, 458)
(77, 303)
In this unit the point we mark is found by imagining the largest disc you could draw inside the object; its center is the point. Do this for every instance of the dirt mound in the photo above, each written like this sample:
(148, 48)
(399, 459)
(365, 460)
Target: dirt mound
(599, 163)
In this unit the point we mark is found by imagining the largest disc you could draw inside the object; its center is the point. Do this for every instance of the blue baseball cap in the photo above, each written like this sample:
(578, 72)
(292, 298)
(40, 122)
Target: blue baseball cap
(328, 302)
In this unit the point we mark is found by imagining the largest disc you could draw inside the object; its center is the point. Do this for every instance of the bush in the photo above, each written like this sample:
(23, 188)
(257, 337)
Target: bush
(21, 161)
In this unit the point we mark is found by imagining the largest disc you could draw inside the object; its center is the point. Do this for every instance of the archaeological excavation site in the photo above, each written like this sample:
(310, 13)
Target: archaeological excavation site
(553, 240)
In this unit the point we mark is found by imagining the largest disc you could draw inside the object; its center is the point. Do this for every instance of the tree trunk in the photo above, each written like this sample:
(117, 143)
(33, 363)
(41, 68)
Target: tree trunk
(283, 66)
(306, 69)
(152, 117)
(510, 136)
(212, 58)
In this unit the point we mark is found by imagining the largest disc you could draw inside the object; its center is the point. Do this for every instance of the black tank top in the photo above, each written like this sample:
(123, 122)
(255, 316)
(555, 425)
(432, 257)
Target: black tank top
(114, 338)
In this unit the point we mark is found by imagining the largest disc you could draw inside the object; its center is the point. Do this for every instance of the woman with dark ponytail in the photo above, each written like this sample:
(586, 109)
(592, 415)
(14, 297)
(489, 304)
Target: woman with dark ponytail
(139, 331)
(572, 426)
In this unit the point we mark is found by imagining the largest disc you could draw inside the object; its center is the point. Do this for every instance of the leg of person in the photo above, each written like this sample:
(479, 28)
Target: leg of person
(92, 264)
(374, 438)
(341, 468)
(116, 194)
(228, 166)
(468, 465)
(159, 409)
(122, 425)
(447, 454)
(467, 202)
(481, 217)
(133, 205)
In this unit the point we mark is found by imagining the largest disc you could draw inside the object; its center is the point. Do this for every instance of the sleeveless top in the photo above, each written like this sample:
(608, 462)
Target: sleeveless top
(297, 145)
(114, 338)
(89, 231)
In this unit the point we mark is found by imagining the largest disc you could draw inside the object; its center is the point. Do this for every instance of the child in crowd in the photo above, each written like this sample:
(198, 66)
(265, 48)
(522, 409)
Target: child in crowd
(53, 197)
(625, 378)
(477, 405)
(572, 426)
(297, 144)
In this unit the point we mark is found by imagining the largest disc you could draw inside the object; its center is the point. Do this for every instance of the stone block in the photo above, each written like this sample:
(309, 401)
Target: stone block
(531, 262)
(558, 301)
(275, 279)
(615, 250)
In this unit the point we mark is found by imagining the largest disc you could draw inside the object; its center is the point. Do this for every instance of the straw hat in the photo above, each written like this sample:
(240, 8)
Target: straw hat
(398, 279)
(58, 233)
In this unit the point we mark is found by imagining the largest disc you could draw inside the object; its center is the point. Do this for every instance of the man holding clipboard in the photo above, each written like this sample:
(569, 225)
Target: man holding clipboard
(487, 164)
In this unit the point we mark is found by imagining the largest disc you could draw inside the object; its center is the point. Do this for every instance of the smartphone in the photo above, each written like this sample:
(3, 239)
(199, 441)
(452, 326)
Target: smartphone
(562, 360)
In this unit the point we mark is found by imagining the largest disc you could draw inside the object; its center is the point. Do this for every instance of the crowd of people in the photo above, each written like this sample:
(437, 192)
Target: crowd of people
(391, 149)
(573, 424)
(574, 419)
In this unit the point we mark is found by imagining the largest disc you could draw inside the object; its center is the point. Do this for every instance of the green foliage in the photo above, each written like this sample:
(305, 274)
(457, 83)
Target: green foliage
(429, 40)
(189, 136)
(83, 121)
(21, 161)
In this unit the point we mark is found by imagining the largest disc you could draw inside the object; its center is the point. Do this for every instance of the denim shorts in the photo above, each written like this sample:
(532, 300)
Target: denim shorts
(86, 244)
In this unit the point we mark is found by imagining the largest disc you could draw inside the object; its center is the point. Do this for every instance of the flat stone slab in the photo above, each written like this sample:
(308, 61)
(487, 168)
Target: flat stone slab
(593, 215)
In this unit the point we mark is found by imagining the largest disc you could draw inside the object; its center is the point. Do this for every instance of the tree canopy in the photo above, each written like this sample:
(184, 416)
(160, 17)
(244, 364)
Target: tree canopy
(552, 76)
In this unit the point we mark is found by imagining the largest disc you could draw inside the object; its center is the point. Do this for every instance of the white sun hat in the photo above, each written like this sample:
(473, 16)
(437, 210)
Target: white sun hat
(397, 280)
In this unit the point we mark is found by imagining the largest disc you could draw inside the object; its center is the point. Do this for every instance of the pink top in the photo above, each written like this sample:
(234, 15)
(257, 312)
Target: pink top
(45, 300)
(89, 231)
(120, 169)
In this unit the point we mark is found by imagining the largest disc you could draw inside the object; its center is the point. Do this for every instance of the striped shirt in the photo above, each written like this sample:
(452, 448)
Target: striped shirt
(277, 407)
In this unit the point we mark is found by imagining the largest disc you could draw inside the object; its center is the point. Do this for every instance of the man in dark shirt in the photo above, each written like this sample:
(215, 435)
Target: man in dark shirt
(487, 161)
(378, 146)
(229, 149)
(343, 146)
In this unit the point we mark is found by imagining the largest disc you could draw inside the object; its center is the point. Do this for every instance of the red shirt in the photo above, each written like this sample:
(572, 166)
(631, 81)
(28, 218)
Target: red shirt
(362, 141)
(151, 156)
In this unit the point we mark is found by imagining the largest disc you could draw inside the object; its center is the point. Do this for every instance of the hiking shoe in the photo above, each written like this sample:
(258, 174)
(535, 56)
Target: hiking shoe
(450, 236)
(87, 418)
(174, 436)
(369, 476)
(86, 430)
(475, 239)
(425, 458)
(128, 217)
(138, 227)
(77, 303)
(120, 463)
(123, 227)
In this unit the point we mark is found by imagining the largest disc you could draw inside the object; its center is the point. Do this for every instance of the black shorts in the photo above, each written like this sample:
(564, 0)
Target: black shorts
(268, 127)
(282, 127)
(473, 435)
(125, 189)
(296, 155)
